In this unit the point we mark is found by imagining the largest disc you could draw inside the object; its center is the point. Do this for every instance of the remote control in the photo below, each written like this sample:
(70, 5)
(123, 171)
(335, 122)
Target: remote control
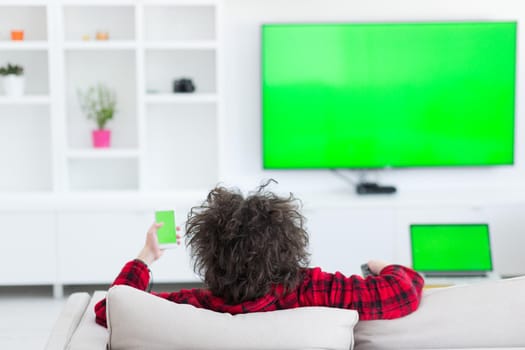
(366, 270)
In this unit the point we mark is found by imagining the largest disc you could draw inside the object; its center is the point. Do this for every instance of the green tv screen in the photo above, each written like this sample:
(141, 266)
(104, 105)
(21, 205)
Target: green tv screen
(388, 95)
(450, 247)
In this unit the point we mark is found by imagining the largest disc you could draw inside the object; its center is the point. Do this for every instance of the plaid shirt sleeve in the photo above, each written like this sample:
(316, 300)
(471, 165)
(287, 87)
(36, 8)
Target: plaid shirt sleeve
(135, 274)
(394, 293)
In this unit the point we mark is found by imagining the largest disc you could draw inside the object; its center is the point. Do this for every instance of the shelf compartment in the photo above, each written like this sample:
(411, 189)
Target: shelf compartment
(108, 174)
(25, 138)
(117, 21)
(181, 151)
(35, 63)
(114, 68)
(179, 22)
(31, 19)
(162, 67)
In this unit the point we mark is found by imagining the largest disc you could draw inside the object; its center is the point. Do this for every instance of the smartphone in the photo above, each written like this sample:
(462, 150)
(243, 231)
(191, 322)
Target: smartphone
(167, 234)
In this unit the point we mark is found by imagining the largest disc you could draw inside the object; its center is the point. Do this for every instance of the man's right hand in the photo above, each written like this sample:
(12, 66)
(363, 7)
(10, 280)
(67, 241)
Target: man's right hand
(152, 251)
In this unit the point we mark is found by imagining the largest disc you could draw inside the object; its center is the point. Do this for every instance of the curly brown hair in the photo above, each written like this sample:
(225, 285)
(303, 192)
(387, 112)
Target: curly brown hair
(242, 247)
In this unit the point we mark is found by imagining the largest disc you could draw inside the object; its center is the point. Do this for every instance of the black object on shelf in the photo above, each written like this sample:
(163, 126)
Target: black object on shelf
(183, 85)
(373, 188)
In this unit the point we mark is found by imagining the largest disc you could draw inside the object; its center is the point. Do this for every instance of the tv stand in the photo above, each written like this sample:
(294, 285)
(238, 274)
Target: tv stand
(373, 188)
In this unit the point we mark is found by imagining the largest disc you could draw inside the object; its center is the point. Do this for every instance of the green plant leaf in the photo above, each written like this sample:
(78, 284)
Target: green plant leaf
(98, 102)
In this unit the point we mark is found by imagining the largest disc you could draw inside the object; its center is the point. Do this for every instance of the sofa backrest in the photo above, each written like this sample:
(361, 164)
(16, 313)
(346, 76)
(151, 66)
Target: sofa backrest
(483, 315)
(67, 322)
(138, 320)
(89, 335)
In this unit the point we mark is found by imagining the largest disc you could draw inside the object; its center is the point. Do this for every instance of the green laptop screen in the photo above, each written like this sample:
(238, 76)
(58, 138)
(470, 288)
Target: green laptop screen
(454, 247)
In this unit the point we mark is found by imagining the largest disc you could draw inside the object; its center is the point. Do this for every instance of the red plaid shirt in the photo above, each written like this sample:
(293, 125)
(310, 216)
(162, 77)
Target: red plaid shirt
(396, 292)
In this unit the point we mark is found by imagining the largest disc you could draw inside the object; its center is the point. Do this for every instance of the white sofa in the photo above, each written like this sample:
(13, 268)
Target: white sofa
(487, 315)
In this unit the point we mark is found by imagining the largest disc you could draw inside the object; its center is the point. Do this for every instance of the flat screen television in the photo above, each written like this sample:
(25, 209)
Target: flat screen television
(379, 95)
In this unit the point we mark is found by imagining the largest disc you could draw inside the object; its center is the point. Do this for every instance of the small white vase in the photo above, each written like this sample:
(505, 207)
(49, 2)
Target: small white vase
(14, 85)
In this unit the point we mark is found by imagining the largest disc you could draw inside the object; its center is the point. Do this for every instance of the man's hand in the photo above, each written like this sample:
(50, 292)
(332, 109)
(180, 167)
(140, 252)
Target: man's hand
(151, 251)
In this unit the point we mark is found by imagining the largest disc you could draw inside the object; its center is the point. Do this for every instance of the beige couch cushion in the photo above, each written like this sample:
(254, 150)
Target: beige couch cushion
(89, 335)
(68, 321)
(138, 320)
(484, 315)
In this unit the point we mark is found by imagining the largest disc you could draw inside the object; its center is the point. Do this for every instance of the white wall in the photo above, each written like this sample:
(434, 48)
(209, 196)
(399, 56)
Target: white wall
(241, 151)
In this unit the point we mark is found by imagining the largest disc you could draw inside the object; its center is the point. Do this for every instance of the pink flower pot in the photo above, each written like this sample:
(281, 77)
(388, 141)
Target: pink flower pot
(101, 138)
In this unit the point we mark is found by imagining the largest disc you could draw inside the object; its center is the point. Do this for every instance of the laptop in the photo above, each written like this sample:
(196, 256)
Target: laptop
(448, 252)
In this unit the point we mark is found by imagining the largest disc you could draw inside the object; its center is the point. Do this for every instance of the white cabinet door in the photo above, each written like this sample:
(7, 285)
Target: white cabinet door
(93, 248)
(341, 239)
(508, 238)
(28, 254)
(174, 267)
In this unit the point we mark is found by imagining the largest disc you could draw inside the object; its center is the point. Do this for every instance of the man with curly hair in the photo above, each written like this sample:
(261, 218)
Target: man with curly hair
(252, 255)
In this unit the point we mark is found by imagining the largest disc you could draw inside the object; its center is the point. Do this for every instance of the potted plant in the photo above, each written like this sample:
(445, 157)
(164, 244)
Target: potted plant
(98, 103)
(13, 79)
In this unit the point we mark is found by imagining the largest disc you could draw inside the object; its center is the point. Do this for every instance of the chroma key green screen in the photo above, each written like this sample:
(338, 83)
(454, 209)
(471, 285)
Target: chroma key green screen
(388, 94)
(450, 247)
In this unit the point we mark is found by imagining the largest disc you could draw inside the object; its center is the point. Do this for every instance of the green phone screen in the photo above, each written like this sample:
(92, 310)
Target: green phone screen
(167, 233)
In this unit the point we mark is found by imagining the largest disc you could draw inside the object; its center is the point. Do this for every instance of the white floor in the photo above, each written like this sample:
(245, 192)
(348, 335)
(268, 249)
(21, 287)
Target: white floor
(26, 320)
(28, 314)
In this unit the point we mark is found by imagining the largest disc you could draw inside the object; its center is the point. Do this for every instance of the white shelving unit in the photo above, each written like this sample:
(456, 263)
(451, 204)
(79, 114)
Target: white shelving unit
(156, 133)
(25, 122)
(179, 40)
(150, 45)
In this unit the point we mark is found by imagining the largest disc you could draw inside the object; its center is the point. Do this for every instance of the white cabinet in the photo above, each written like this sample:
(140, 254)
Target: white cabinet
(28, 248)
(346, 232)
(341, 239)
(93, 246)
(174, 266)
(507, 223)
